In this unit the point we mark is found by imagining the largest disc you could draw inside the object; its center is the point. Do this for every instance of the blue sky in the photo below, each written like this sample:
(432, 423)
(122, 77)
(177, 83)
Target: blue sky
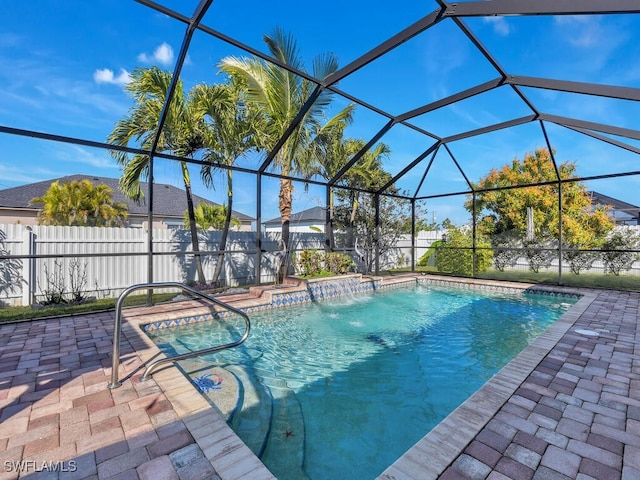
(64, 65)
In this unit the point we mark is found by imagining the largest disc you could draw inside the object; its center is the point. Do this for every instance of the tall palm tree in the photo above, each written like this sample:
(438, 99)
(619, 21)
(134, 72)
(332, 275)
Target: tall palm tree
(279, 96)
(182, 135)
(227, 136)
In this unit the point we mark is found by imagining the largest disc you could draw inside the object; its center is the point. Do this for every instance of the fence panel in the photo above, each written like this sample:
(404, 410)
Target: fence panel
(75, 254)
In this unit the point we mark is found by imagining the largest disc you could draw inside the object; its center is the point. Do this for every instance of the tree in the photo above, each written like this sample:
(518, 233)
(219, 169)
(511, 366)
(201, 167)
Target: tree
(228, 135)
(211, 217)
(182, 135)
(366, 174)
(337, 153)
(80, 203)
(504, 212)
(355, 212)
(279, 96)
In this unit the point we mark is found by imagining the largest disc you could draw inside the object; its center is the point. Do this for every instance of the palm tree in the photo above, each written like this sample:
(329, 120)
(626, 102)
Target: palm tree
(80, 203)
(209, 216)
(366, 174)
(182, 135)
(279, 96)
(227, 136)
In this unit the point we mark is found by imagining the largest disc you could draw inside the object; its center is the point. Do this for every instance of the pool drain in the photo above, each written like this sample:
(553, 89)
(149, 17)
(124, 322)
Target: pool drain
(589, 333)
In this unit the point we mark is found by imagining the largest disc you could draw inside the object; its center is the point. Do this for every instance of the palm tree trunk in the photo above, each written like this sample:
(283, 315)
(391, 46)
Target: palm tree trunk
(352, 221)
(284, 203)
(192, 225)
(330, 234)
(225, 232)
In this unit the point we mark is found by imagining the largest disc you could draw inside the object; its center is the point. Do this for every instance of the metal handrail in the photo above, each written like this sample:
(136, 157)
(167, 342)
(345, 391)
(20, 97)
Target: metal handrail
(115, 382)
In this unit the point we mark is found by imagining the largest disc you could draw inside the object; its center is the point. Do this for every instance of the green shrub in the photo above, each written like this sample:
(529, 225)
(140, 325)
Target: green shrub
(338, 263)
(579, 260)
(456, 255)
(424, 259)
(309, 262)
(312, 263)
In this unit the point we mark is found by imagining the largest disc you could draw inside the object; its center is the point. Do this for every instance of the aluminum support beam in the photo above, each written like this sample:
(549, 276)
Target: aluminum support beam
(609, 91)
(598, 127)
(491, 8)
(490, 128)
(478, 89)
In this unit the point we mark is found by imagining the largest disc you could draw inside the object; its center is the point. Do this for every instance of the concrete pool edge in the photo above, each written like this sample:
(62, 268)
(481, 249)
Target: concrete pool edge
(232, 459)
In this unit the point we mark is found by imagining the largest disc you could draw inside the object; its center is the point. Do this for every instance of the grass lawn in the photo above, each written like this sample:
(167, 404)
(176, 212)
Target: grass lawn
(629, 283)
(20, 314)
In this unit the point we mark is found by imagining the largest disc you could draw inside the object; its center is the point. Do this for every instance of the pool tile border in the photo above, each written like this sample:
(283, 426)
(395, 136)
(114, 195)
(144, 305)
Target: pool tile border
(335, 287)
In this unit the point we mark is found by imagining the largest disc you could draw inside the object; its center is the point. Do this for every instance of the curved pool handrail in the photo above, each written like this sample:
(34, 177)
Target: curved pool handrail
(117, 329)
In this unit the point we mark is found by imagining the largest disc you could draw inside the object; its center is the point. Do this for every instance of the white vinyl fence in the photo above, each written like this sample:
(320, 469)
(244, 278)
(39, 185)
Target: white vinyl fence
(102, 262)
(105, 261)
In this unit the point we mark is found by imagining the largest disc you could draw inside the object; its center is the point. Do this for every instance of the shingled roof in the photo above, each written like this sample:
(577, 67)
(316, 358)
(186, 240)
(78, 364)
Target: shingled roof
(168, 201)
(315, 214)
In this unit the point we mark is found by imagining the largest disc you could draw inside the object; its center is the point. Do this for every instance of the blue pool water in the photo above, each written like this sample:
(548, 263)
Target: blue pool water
(353, 384)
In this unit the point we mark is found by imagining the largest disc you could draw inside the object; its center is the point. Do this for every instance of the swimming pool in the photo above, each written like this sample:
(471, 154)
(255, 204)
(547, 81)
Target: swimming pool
(342, 389)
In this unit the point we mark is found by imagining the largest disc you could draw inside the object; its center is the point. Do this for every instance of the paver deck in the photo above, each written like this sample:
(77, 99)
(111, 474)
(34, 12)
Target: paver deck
(568, 407)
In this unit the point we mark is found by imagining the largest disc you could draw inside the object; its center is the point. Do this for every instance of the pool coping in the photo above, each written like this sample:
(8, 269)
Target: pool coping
(429, 457)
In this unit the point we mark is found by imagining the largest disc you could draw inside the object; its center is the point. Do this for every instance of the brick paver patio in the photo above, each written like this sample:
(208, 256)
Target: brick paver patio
(576, 415)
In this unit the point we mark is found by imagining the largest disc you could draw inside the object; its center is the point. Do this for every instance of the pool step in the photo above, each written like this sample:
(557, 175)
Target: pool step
(284, 453)
(251, 419)
(215, 383)
(260, 408)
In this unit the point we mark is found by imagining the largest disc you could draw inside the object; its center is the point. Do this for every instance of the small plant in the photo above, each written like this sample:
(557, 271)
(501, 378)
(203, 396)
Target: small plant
(505, 253)
(310, 262)
(338, 263)
(77, 280)
(56, 293)
(538, 254)
(615, 251)
(579, 260)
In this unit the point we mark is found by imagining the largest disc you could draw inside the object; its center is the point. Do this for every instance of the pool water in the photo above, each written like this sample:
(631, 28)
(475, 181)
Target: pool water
(356, 382)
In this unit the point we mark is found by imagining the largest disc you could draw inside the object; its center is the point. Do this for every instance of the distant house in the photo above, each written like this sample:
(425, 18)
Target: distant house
(311, 220)
(169, 203)
(623, 212)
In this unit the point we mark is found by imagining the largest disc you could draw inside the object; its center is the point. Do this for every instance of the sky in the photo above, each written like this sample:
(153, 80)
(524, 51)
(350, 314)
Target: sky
(64, 67)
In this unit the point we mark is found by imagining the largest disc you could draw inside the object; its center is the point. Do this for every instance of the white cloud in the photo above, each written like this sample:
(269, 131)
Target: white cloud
(582, 30)
(14, 176)
(105, 75)
(76, 154)
(500, 25)
(163, 54)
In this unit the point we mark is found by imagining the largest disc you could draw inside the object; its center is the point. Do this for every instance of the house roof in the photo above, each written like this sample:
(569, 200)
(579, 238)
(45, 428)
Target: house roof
(617, 205)
(315, 214)
(168, 201)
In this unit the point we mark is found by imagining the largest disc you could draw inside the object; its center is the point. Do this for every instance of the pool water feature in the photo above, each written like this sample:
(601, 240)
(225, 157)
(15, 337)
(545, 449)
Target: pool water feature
(342, 389)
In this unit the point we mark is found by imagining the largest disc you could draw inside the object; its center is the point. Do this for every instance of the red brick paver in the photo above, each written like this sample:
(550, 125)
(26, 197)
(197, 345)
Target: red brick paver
(59, 419)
